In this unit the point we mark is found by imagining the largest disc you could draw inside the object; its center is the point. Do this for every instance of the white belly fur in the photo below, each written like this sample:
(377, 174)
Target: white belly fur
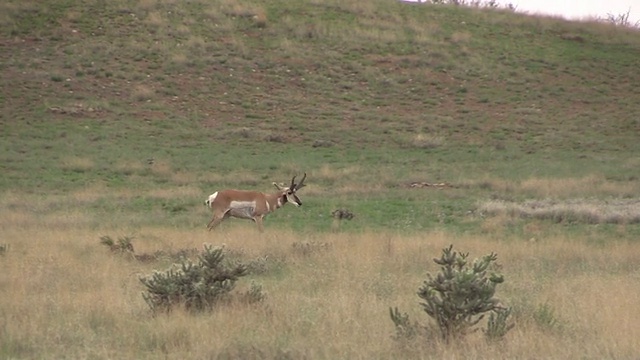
(242, 209)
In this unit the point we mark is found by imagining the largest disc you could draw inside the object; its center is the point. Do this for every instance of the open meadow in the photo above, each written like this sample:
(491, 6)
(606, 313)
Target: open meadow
(434, 125)
(327, 296)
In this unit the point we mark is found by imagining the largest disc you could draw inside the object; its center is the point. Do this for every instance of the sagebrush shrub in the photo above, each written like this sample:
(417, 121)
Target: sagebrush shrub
(195, 285)
(458, 297)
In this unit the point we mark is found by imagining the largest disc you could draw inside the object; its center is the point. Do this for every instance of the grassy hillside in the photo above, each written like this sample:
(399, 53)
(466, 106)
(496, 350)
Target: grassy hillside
(163, 102)
(120, 117)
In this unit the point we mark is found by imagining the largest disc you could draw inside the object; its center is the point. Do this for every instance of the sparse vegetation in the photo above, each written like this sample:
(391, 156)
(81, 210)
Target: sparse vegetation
(622, 19)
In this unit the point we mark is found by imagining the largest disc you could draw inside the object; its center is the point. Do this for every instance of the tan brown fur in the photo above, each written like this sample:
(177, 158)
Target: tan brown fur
(252, 205)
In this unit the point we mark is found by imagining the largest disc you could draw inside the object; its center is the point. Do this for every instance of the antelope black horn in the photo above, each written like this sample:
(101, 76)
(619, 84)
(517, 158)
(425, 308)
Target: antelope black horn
(301, 184)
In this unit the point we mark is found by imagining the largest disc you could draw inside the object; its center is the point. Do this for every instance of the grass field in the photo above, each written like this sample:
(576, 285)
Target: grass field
(119, 118)
(68, 297)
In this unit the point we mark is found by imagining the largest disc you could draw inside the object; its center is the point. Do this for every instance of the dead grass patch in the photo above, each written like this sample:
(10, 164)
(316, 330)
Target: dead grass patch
(183, 178)
(423, 33)
(155, 19)
(147, 4)
(180, 192)
(428, 141)
(196, 42)
(130, 167)
(330, 174)
(242, 180)
(179, 59)
(233, 8)
(495, 224)
(142, 93)
(460, 37)
(78, 164)
(17, 218)
(162, 168)
(90, 194)
(497, 185)
(561, 188)
(587, 211)
(546, 187)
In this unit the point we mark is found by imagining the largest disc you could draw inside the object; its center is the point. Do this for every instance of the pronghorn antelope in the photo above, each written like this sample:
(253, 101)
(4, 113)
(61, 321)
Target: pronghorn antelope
(252, 205)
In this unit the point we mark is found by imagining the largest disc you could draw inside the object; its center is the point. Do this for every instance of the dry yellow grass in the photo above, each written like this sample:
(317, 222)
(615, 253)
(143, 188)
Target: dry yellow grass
(584, 186)
(595, 185)
(77, 164)
(590, 211)
(65, 295)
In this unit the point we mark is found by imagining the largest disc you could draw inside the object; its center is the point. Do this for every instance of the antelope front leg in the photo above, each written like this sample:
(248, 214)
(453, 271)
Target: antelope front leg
(215, 221)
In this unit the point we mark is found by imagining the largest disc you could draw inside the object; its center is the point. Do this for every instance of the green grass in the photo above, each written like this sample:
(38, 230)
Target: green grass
(365, 97)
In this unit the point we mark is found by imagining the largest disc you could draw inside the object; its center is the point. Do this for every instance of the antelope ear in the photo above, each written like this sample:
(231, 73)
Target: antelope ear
(277, 186)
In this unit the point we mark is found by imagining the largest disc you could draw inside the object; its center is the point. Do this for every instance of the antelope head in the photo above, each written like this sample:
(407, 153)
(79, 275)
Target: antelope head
(289, 193)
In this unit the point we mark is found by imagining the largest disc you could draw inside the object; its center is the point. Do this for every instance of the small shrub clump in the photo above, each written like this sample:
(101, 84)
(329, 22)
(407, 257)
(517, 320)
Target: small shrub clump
(195, 285)
(457, 298)
(123, 245)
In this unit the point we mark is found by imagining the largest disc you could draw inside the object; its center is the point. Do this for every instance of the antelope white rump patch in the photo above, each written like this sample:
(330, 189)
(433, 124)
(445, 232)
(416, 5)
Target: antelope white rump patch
(211, 198)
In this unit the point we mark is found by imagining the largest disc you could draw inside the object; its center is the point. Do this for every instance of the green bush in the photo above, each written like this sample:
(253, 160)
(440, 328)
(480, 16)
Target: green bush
(458, 297)
(195, 285)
